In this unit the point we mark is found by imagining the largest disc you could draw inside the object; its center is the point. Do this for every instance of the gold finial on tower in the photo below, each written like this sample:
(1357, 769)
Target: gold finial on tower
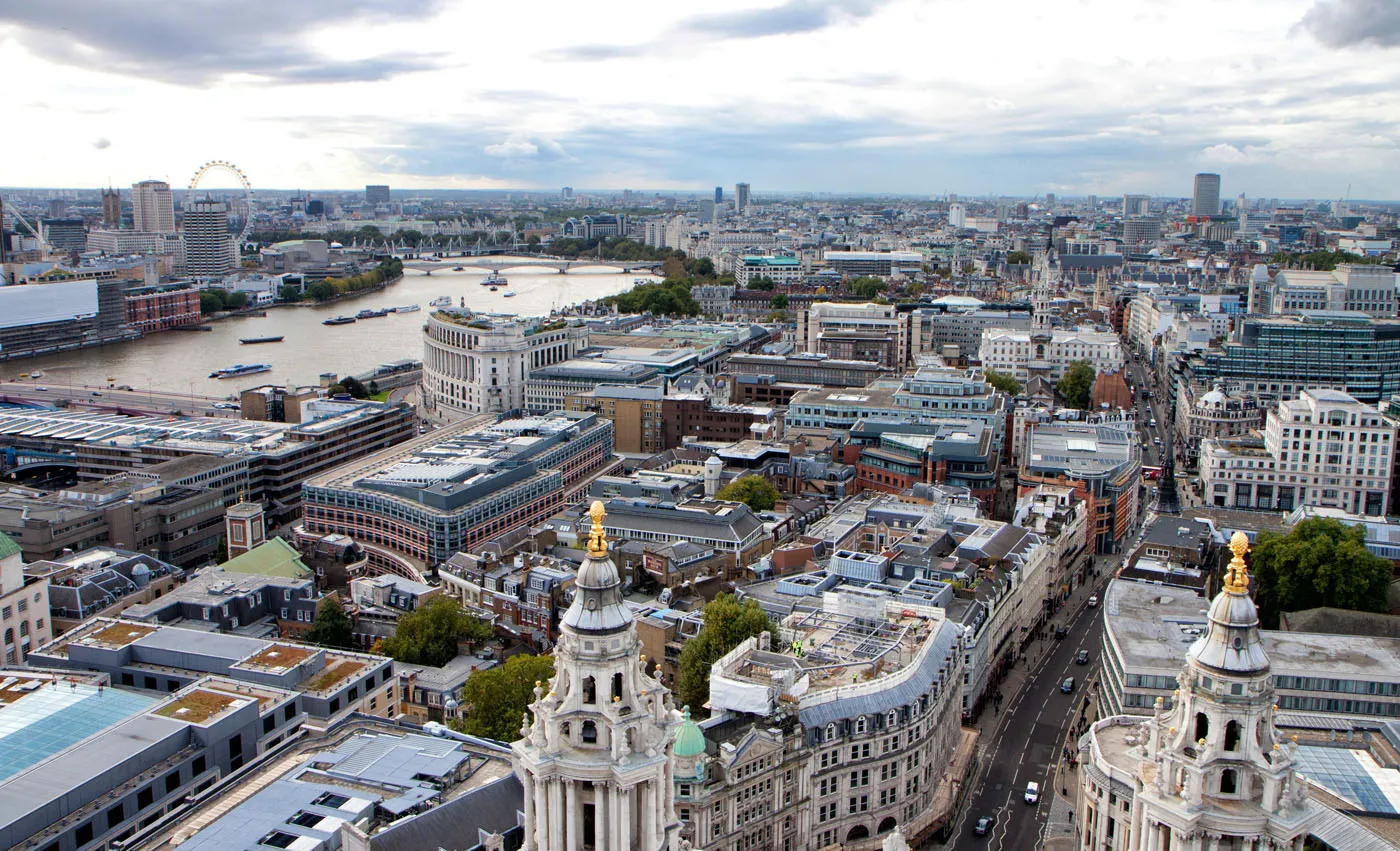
(1237, 576)
(597, 543)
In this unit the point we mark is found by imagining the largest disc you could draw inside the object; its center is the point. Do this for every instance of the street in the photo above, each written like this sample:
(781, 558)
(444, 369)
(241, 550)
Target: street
(108, 399)
(1025, 743)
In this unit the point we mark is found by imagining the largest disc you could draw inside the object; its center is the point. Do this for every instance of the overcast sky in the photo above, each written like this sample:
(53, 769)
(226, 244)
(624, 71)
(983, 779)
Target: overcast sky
(1290, 98)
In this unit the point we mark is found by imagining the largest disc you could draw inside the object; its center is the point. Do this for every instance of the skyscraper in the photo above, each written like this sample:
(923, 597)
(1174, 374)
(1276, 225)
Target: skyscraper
(741, 197)
(152, 207)
(111, 208)
(376, 193)
(1135, 205)
(1206, 199)
(719, 195)
(209, 249)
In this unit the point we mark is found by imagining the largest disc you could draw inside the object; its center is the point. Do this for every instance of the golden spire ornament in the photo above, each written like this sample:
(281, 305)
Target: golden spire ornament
(597, 542)
(1237, 576)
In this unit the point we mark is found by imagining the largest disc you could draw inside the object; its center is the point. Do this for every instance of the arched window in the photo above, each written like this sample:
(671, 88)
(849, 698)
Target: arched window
(891, 718)
(860, 724)
(590, 733)
(1232, 735)
(886, 825)
(1227, 781)
(10, 636)
(860, 831)
(617, 687)
(831, 732)
(23, 628)
(1202, 726)
(590, 690)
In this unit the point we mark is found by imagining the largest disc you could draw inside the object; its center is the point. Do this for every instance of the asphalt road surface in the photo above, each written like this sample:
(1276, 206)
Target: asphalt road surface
(1026, 744)
(111, 399)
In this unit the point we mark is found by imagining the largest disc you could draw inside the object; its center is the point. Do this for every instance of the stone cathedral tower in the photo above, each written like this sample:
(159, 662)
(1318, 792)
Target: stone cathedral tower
(595, 754)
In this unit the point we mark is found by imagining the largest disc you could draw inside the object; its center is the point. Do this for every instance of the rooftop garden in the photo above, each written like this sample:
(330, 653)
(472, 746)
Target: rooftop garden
(122, 634)
(334, 674)
(198, 706)
(279, 656)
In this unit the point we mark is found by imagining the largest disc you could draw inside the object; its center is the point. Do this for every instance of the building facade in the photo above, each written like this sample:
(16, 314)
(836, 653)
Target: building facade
(878, 326)
(209, 248)
(152, 207)
(1048, 354)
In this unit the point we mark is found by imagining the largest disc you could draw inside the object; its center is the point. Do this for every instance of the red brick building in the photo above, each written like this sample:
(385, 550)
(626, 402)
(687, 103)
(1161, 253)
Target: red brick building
(150, 309)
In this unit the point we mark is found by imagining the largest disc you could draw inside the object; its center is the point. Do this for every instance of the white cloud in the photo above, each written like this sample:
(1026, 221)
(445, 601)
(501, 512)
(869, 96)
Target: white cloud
(1224, 153)
(512, 149)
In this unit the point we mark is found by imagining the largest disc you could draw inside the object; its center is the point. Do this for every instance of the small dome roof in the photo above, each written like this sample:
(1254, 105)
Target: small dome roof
(1214, 399)
(1231, 644)
(714, 461)
(690, 740)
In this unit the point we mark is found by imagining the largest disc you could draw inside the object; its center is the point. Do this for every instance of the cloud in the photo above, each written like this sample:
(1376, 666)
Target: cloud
(198, 43)
(511, 148)
(102, 144)
(1345, 23)
(1227, 154)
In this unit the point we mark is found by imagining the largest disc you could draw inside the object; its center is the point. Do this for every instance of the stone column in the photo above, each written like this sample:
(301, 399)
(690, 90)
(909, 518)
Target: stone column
(528, 782)
(626, 819)
(600, 819)
(572, 821)
(540, 829)
(648, 837)
(556, 815)
(614, 820)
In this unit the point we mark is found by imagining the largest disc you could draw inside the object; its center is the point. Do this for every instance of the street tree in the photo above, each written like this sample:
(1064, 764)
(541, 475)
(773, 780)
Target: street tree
(753, 490)
(430, 634)
(494, 700)
(331, 627)
(1003, 382)
(761, 282)
(1077, 385)
(1320, 562)
(727, 622)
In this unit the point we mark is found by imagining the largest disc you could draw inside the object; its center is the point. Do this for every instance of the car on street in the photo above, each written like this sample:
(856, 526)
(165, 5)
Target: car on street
(1061, 632)
(1067, 686)
(226, 406)
(1032, 792)
(1082, 657)
(41, 388)
(984, 826)
(1093, 601)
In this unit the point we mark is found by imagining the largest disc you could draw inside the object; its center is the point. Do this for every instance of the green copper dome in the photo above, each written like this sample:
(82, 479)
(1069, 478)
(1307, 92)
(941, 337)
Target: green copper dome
(689, 740)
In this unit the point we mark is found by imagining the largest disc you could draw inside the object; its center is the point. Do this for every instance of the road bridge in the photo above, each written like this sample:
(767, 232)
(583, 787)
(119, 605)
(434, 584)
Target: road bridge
(558, 264)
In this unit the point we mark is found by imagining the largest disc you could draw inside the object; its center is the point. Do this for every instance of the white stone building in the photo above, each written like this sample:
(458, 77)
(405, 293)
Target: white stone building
(24, 606)
(1202, 414)
(1212, 772)
(476, 364)
(1324, 448)
(833, 318)
(594, 758)
(1365, 288)
(1026, 354)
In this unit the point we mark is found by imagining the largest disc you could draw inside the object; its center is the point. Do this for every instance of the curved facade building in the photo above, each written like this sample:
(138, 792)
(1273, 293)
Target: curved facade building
(478, 365)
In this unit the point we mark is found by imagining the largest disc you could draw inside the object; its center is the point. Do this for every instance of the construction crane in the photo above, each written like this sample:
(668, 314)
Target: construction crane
(44, 245)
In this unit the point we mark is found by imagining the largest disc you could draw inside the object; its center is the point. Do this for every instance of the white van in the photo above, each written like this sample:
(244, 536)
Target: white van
(1032, 793)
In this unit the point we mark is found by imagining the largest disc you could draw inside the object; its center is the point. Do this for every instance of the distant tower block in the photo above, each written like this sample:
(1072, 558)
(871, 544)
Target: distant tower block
(713, 467)
(245, 526)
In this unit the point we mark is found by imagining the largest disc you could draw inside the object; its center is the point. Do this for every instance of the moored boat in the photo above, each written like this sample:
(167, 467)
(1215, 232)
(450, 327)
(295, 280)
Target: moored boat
(339, 320)
(240, 369)
(250, 341)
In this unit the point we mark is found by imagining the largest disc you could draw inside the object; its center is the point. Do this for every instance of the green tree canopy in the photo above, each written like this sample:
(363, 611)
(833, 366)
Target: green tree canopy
(779, 301)
(761, 282)
(430, 635)
(753, 490)
(332, 627)
(866, 286)
(494, 700)
(355, 387)
(1019, 258)
(1077, 386)
(727, 622)
(1320, 562)
(1004, 383)
(1322, 261)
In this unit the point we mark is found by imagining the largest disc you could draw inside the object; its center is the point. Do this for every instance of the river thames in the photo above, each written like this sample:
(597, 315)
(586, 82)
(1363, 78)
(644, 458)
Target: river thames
(180, 361)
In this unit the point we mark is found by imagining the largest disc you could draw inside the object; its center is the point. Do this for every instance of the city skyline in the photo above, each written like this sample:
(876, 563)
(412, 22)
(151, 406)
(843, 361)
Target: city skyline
(1286, 99)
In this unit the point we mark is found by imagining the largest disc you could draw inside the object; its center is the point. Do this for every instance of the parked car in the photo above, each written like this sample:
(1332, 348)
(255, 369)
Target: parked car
(1082, 657)
(984, 826)
(1032, 793)
(1068, 685)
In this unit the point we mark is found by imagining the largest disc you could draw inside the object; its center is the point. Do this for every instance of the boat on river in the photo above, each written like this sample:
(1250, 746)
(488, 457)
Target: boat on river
(239, 369)
(339, 320)
(252, 341)
(408, 308)
(495, 279)
(441, 301)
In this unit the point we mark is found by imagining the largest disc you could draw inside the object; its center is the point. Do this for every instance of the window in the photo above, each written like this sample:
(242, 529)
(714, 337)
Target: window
(305, 819)
(278, 839)
(198, 766)
(1227, 781)
(330, 800)
(145, 798)
(172, 782)
(1232, 735)
(115, 816)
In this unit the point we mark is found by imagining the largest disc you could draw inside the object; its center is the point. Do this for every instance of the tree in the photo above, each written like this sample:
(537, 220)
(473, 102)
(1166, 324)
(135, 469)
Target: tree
(211, 301)
(704, 268)
(753, 490)
(727, 623)
(290, 292)
(779, 301)
(866, 286)
(1320, 562)
(430, 634)
(332, 627)
(1019, 258)
(354, 387)
(761, 282)
(494, 700)
(1077, 386)
(672, 268)
(236, 301)
(1004, 383)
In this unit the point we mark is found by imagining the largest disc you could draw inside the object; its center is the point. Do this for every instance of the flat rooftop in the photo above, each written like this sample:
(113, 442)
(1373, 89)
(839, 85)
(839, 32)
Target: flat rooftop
(57, 715)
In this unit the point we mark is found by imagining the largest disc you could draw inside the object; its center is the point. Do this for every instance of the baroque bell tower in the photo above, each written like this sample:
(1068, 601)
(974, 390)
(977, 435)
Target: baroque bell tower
(594, 756)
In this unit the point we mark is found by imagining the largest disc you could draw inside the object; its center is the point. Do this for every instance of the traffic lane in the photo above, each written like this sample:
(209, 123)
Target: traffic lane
(1025, 746)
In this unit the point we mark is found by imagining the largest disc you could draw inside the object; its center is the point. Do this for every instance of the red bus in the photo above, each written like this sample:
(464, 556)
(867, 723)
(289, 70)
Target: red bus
(1152, 473)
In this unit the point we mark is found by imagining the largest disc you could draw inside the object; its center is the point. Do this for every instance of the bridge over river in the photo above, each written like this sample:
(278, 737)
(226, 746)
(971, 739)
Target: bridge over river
(558, 264)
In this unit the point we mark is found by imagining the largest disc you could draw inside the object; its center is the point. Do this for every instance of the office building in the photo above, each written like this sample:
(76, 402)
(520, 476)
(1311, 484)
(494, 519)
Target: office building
(806, 367)
(1136, 205)
(741, 197)
(731, 529)
(1214, 413)
(162, 307)
(414, 506)
(1368, 289)
(376, 194)
(957, 216)
(595, 228)
(1141, 232)
(893, 455)
(209, 247)
(100, 581)
(635, 411)
(152, 207)
(1213, 767)
(781, 270)
(549, 387)
(864, 332)
(1205, 195)
(475, 364)
(1281, 356)
(65, 235)
(719, 197)
(1048, 354)
(1322, 449)
(1101, 462)
(878, 263)
(935, 329)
